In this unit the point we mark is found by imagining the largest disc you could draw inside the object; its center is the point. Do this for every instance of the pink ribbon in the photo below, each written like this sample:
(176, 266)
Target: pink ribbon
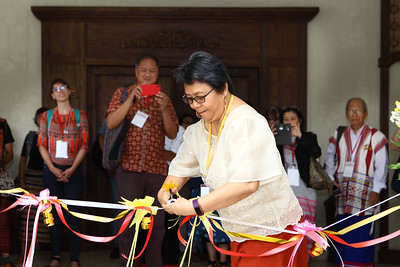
(306, 226)
(44, 199)
(308, 229)
(303, 229)
(43, 202)
(311, 230)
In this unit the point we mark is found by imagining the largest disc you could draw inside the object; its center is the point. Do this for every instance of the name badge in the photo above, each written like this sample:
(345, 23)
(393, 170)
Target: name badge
(294, 176)
(348, 169)
(61, 149)
(140, 119)
(204, 190)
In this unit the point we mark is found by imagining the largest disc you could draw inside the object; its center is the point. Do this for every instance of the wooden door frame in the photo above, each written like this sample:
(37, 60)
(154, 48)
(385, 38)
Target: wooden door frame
(390, 54)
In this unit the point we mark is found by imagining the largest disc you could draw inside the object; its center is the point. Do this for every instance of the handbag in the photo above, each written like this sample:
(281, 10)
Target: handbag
(114, 140)
(319, 179)
(396, 180)
(6, 181)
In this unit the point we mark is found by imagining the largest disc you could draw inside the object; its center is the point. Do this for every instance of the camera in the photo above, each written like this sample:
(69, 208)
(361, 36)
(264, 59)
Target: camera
(150, 89)
(284, 134)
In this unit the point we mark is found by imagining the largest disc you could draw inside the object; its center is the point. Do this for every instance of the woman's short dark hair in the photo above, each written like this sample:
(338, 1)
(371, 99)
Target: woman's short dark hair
(204, 68)
(295, 110)
(58, 80)
(147, 56)
(39, 112)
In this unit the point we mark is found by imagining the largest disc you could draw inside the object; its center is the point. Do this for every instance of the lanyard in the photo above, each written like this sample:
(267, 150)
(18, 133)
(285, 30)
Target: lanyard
(356, 145)
(146, 99)
(61, 125)
(210, 157)
(292, 149)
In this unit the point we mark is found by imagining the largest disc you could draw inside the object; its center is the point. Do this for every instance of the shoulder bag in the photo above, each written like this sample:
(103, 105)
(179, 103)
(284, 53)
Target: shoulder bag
(114, 140)
(319, 179)
(6, 181)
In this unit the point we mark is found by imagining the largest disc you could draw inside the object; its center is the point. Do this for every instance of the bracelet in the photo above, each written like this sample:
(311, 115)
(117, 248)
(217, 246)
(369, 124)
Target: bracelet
(196, 207)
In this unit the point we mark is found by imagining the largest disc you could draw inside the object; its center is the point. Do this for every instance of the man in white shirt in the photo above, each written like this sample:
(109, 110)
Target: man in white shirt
(171, 146)
(356, 162)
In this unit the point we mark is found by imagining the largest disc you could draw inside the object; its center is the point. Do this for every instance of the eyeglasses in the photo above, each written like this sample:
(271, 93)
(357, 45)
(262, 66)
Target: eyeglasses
(59, 88)
(198, 99)
(355, 112)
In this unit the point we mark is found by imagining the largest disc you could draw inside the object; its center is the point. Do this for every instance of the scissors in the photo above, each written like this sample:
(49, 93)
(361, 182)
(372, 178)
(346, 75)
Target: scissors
(171, 199)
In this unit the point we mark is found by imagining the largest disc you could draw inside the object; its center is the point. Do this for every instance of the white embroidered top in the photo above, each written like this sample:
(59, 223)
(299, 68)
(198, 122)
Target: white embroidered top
(245, 152)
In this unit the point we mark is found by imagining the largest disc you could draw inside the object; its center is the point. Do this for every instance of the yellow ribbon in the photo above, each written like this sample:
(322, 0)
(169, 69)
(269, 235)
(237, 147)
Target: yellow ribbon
(148, 201)
(189, 245)
(255, 237)
(171, 186)
(365, 221)
(94, 218)
(139, 216)
(14, 191)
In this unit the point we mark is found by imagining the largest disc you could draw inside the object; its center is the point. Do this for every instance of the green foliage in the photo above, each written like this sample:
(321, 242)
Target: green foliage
(396, 143)
(394, 166)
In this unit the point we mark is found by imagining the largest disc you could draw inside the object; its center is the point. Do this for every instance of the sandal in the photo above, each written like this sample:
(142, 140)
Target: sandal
(212, 263)
(223, 264)
(55, 262)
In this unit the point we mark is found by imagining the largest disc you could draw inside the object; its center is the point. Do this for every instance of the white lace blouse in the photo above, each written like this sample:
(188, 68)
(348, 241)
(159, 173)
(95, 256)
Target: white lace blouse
(245, 152)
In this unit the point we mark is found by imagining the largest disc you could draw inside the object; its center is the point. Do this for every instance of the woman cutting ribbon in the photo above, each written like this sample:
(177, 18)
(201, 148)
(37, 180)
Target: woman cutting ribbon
(233, 149)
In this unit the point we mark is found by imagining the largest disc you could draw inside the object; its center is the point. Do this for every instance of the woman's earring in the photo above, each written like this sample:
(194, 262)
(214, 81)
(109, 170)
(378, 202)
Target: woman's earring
(198, 115)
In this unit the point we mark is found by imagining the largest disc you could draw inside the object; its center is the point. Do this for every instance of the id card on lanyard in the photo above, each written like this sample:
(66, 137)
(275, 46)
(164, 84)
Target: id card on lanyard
(293, 170)
(294, 176)
(204, 190)
(61, 149)
(61, 145)
(349, 164)
(348, 169)
(140, 119)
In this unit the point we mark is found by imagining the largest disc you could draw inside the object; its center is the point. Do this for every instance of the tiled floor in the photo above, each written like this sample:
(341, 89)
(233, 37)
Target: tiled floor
(101, 258)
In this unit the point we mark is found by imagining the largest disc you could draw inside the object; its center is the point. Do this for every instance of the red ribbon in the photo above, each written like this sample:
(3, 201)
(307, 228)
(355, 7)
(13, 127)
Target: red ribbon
(29, 199)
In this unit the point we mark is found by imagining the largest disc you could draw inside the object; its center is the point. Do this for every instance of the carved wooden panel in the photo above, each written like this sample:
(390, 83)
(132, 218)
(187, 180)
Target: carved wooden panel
(394, 27)
(174, 40)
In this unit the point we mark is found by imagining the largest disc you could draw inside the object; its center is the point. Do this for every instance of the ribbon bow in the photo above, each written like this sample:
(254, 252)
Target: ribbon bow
(315, 233)
(312, 231)
(43, 201)
(169, 187)
(142, 207)
(140, 213)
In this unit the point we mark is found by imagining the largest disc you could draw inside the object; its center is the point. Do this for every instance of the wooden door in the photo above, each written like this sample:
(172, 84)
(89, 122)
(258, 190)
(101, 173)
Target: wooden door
(104, 80)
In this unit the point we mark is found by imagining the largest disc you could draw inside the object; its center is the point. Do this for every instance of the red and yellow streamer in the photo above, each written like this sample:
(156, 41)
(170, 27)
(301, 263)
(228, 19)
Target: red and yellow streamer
(141, 211)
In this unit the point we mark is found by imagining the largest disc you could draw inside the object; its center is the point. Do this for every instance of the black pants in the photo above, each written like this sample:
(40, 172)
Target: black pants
(72, 190)
(136, 185)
